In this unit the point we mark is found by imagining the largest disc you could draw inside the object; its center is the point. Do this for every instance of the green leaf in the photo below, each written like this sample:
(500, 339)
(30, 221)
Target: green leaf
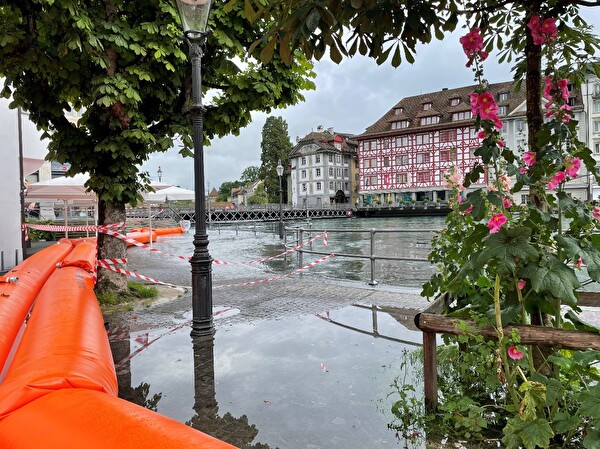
(507, 249)
(531, 433)
(590, 402)
(554, 278)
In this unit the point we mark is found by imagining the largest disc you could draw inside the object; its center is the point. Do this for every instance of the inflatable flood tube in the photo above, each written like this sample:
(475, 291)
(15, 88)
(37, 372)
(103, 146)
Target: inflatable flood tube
(141, 236)
(64, 345)
(83, 256)
(76, 418)
(161, 231)
(16, 298)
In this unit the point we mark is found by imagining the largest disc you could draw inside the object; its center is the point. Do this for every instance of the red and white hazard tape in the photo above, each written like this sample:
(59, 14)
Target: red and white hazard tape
(107, 262)
(138, 276)
(56, 228)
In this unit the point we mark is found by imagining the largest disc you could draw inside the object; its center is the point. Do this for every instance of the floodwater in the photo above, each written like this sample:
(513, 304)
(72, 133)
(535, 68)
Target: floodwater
(300, 380)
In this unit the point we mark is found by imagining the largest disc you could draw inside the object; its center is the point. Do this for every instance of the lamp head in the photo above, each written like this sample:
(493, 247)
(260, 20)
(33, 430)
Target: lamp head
(194, 15)
(279, 168)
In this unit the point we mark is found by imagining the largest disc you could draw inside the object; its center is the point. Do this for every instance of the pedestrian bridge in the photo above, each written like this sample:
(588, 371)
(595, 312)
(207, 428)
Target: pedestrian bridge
(239, 214)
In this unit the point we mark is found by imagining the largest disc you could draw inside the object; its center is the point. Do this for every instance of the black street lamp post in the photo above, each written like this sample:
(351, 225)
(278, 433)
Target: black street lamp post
(159, 173)
(280, 174)
(194, 17)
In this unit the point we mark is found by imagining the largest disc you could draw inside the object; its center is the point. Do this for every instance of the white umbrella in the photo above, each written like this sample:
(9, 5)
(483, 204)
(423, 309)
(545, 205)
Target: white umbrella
(170, 193)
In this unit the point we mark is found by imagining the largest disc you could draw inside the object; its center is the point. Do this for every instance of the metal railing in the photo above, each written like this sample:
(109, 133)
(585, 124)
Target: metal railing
(303, 235)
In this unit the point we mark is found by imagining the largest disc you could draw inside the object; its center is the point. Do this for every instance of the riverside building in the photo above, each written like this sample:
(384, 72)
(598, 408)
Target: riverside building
(405, 155)
(323, 168)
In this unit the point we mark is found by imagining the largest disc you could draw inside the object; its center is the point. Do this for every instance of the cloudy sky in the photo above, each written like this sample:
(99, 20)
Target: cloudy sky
(349, 97)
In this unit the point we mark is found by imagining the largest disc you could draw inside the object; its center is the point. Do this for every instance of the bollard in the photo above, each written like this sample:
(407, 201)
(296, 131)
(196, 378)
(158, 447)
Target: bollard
(1, 260)
(372, 281)
(300, 240)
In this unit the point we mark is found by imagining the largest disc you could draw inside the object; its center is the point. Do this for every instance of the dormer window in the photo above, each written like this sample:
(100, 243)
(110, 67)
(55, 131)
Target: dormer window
(454, 101)
(503, 96)
(426, 106)
(502, 110)
(398, 111)
(400, 124)
(432, 120)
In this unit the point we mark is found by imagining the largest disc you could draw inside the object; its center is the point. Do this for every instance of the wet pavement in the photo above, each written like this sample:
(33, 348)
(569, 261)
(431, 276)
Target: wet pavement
(294, 363)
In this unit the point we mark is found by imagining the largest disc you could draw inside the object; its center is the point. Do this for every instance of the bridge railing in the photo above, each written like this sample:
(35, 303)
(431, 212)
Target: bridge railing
(303, 235)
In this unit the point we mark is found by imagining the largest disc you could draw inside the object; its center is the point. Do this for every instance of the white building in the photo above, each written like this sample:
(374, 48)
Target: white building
(20, 146)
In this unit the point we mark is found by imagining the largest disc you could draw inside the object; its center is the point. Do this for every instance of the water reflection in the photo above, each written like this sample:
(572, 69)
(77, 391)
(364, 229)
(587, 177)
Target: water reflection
(292, 383)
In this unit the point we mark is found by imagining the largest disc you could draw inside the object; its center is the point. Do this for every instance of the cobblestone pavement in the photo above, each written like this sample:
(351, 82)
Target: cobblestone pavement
(286, 297)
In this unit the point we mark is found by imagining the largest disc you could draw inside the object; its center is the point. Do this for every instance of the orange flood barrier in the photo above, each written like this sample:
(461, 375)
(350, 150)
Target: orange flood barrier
(17, 296)
(60, 389)
(161, 231)
(141, 236)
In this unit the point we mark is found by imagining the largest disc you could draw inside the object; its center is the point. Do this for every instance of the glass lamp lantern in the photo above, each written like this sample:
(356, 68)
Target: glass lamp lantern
(194, 15)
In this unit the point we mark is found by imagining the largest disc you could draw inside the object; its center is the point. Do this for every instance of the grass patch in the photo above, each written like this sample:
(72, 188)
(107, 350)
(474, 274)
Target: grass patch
(137, 291)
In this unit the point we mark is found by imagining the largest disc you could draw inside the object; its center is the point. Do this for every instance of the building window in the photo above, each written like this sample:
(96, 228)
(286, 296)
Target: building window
(422, 138)
(338, 145)
(304, 187)
(330, 171)
(503, 96)
(401, 178)
(597, 126)
(346, 160)
(303, 174)
(386, 161)
(524, 199)
(303, 160)
(571, 101)
(317, 158)
(398, 111)
(431, 120)
(426, 106)
(454, 101)
(520, 126)
(447, 155)
(448, 135)
(465, 115)
(596, 106)
(331, 156)
(402, 159)
(345, 173)
(338, 172)
(597, 89)
(346, 186)
(370, 163)
(422, 158)
(338, 158)
(402, 141)
(597, 147)
(330, 185)
(318, 172)
(370, 180)
(502, 110)
(319, 186)
(423, 177)
(400, 125)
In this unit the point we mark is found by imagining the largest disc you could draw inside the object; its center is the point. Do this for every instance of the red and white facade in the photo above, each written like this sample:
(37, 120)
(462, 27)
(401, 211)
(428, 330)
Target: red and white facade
(406, 154)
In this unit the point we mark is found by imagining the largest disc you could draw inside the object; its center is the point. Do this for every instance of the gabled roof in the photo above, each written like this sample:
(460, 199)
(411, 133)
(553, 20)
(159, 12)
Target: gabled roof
(325, 142)
(411, 108)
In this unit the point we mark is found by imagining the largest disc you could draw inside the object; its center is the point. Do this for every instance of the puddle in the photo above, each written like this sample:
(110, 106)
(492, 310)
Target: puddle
(295, 382)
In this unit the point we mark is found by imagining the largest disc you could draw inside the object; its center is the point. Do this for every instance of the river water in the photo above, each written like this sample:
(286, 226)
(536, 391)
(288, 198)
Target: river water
(308, 376)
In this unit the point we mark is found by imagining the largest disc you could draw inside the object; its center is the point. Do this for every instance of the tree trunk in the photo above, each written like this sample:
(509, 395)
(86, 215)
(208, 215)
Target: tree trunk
(110, 247)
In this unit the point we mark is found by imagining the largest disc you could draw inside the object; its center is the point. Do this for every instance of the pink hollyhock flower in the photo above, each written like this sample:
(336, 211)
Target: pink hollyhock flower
(459, 199)
(505, 182)
(469, 210)
(514, 353)
(521, 284)
(506, 202)
(556, 180)
(523, 170)
(567, 118)
(496, 223)
(579, 263)
(481, 134)
(549, 30)
(548, 89)
(596, 213)
(563, 85)
(529, 158)
(501, 143)
(472, 42)
(572, 166)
